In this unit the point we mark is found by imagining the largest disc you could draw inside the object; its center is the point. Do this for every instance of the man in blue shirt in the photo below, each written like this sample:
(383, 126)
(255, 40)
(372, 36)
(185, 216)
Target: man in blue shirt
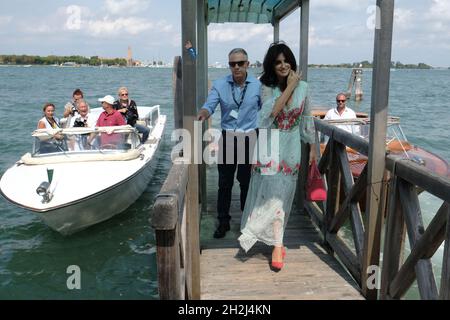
(239, 96)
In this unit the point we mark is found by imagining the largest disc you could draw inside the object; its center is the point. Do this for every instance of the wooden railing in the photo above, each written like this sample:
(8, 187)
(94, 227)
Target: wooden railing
(400, 206)
(177, 238)
(175, 216)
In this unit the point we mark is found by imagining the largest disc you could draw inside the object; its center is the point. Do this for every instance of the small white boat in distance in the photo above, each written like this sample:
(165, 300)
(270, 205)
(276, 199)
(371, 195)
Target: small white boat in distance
(77, 177)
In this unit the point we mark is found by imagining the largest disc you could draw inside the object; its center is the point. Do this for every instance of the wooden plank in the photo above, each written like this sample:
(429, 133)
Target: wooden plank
(334, 184)
(355, 142)
(444, 293)
(418, 175)
(394, 240)
(347, 257)
(325, 158)
(192, 238)
(202, 87)
(165, 213)
(356, 219)
(322, 204)
(168, 263)
(415, 230)
(425, 246)
(377, 139)
(189, 27)
(355, 194)
(308, 272)
(177, 93)
(303, 176)
(315, 214)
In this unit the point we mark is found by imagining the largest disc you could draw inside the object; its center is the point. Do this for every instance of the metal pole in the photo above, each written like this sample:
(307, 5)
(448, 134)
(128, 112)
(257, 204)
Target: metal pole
(377, 140)
(304, 40)
(276, 31)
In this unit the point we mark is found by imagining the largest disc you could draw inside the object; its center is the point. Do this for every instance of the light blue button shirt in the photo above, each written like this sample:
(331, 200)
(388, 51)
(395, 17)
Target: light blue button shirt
(222, 93)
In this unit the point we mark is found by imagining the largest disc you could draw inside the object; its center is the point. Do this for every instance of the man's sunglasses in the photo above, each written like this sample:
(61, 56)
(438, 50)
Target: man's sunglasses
(239, 63)
(340, 100)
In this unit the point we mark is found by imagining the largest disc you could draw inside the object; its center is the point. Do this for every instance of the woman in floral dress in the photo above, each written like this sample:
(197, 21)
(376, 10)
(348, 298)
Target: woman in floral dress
(274, 178)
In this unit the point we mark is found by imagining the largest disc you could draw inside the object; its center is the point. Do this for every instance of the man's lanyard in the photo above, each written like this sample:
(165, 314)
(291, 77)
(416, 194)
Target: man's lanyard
(242, 95)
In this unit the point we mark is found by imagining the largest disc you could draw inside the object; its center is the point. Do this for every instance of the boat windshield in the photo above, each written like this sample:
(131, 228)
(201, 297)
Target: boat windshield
(85, 140)
(361, 127)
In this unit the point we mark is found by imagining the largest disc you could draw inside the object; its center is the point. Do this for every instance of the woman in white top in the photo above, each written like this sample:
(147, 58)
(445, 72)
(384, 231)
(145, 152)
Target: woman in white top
(54, 143)
(48, 121)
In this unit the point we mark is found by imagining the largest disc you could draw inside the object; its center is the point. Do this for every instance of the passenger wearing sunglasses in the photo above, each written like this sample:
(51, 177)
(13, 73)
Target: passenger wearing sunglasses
(341, 112)
(129, 111)
(239, 97)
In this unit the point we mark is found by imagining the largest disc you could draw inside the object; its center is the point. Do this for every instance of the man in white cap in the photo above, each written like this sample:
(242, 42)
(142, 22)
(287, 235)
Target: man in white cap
(110, 117)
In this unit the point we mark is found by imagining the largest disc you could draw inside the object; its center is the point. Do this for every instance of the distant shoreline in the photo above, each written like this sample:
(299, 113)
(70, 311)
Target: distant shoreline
(210, 67)
(95, 61)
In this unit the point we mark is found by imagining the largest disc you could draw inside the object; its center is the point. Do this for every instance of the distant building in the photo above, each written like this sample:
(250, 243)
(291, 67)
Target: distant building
(129, 58)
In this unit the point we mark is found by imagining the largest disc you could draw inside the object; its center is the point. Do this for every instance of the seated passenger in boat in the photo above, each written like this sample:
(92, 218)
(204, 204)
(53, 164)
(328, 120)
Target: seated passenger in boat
(109, 118)
(342, 112)
(54, 143)
(79, 142)
(70, 109)
(128, 109)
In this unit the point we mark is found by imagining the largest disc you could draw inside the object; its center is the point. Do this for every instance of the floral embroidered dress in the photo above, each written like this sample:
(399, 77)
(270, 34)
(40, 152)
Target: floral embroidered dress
(274, 177)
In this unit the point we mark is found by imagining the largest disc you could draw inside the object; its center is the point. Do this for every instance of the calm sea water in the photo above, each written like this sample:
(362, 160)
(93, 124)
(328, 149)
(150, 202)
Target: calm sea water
(117, 257)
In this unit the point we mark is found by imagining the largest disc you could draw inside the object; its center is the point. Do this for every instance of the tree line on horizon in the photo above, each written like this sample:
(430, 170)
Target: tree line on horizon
(367, 64)
(52, 60)
(97, 61)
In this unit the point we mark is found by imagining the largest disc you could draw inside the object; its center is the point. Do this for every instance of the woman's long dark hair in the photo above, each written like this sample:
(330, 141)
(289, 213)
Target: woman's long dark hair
(269, 77)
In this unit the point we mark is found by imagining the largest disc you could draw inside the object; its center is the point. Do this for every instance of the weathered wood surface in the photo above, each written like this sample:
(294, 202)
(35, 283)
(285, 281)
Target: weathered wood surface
(229, 273)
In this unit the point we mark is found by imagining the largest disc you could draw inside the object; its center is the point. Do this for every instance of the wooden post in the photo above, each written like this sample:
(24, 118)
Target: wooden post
(377, 140)
(304, 40)
(444, 293)
(358, 85)
(202, 87)
(177, 93)
(394, 240)
(276, 31)
(188, 23)
(168, 260)
(303, 68)
(334, 189)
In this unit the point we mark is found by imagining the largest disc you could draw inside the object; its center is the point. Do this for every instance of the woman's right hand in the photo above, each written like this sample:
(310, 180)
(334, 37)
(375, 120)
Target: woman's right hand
(293, 78)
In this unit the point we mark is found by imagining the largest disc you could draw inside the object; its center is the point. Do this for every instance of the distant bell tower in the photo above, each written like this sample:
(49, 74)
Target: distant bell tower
(129, 58)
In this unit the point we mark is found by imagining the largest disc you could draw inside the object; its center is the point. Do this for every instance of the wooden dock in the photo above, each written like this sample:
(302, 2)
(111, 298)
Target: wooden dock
(227, 272)
(193, 265)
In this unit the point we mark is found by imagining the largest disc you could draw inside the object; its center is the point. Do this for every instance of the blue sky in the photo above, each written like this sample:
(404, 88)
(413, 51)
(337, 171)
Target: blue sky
(339, 30)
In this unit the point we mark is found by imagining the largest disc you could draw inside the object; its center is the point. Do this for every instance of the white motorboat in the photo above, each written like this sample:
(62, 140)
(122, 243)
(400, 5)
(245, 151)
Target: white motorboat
(77, 177)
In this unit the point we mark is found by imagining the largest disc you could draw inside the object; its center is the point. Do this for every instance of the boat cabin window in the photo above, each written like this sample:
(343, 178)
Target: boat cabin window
(82, 140)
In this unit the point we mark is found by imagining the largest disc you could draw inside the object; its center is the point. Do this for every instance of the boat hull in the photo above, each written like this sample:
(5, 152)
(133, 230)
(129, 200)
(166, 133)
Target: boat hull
(85, 193)
(99, 207)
